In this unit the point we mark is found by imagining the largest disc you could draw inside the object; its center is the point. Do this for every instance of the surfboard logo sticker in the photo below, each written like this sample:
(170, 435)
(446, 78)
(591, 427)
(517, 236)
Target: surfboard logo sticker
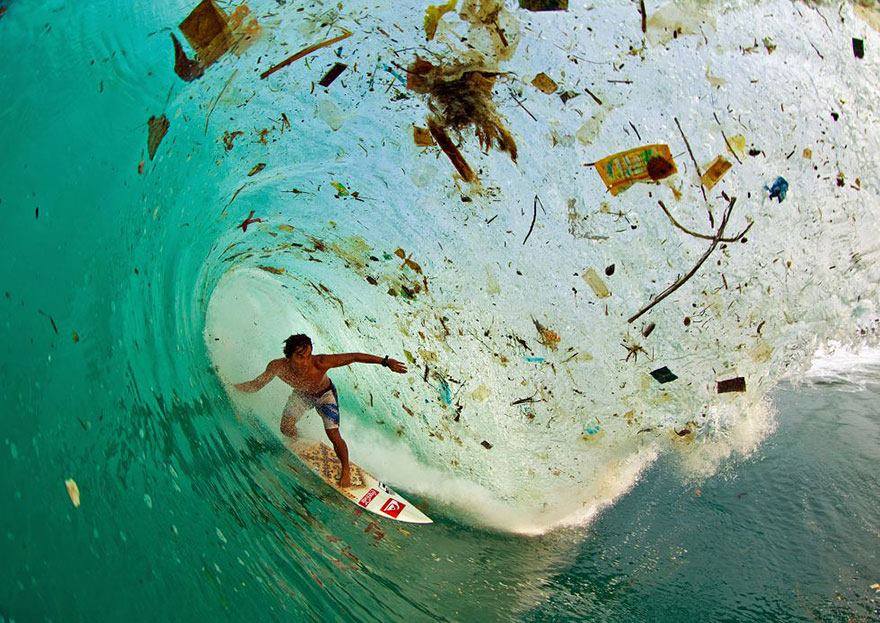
(368, 497)
(392, 507)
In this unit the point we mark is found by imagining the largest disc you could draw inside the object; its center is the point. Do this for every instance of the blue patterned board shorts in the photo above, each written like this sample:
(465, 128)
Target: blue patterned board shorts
(327, 406)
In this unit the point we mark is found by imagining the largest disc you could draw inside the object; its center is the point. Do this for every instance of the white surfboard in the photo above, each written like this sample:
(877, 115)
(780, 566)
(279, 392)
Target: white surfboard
(365, 491)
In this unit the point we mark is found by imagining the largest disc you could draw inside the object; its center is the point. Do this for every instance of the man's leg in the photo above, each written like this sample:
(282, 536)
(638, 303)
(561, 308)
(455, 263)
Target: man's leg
(342, 452)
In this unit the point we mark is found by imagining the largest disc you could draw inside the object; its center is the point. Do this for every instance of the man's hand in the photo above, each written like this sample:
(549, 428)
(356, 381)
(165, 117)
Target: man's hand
(397, 366)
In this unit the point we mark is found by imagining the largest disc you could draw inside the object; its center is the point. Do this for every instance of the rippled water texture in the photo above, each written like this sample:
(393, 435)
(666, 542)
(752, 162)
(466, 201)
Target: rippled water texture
(567, 482)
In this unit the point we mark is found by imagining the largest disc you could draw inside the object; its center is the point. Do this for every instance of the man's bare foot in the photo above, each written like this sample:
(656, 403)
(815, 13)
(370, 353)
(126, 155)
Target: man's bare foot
(344, 480)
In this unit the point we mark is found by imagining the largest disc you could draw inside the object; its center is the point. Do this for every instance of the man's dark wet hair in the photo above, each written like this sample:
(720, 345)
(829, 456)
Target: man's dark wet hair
(296, 343)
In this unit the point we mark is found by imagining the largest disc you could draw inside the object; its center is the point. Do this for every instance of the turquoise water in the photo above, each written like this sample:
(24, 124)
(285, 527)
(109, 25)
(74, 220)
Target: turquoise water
(131, 299)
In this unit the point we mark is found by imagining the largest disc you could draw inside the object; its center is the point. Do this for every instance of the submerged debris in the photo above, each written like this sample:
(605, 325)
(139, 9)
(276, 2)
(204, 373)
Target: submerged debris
(250, 220)
(459, 99)
(186, 68)
(858, 46)
(72, 491)
(422, 137)
(545, 83)
(649, 163)
(332, 74)
(452, 152)
(158, 127)
(433, 14)
(596, 284)
(305, 52)
(207, 31)
(715, 172)
(663, 375)
(549, 338)
(778, 190)
(737, 384)
(544, 5)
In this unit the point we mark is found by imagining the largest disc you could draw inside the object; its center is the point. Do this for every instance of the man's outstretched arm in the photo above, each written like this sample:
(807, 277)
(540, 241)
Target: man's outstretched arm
(345, 359)
(258, 383)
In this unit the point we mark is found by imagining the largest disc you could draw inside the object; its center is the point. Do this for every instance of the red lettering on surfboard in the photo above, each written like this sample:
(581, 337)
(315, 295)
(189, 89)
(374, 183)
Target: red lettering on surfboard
(392, 507)
(368, 497)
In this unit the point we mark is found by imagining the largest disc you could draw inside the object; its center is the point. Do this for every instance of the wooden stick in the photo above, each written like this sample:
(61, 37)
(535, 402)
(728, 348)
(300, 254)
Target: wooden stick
(699, 172)
(304, 52)
(644, 15)
(679, 282)
(451, 151)
(534, 216)
(726, 142)
(699, 235)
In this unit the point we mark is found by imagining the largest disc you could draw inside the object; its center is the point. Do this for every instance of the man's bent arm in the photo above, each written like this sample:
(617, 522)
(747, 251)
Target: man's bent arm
(258, 383)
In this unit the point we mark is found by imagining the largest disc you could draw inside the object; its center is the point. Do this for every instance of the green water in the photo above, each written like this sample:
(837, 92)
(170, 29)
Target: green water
(192, 508)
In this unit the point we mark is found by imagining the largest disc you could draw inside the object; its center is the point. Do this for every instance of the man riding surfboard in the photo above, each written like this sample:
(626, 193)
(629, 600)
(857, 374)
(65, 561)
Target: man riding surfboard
(312, 388)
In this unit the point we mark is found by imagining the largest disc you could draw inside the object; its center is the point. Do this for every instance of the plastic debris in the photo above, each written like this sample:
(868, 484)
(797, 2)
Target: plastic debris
(858, 46)
(544, 5)
(433, 14)
(737, 384)
(486, 444)
(249, 221)
(445, 392)
(305, 52)
(649, 163)
(186, 68)
(158, 127)
(778, 190)
(257, 168)
(207, 31)
(715, 172)
(422, 137)
(229, 138)
(663, 375)
(534, 360)
(332, 74)
(649, 328)
(272, 269)
(549, 338)
(595, 282)
(72, 491)
(545, 83)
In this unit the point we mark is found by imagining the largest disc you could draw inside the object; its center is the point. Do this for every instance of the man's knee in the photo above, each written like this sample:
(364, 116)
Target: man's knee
(288, 426)
(333, 435)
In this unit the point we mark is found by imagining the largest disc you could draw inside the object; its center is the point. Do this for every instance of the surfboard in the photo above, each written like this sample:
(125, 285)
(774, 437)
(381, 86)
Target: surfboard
(365, 490)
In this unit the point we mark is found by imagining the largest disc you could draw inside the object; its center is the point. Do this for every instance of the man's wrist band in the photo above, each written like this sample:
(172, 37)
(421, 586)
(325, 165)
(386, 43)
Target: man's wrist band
(385, 361)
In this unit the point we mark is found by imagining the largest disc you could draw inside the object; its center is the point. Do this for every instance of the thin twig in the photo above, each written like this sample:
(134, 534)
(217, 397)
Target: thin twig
(304, 52)
(680, 281)
(699, 172)
(726, 142)
(219, 95)
(699, 235)
(644, 15)
(593, 95)
(522, 106)
(534, 217)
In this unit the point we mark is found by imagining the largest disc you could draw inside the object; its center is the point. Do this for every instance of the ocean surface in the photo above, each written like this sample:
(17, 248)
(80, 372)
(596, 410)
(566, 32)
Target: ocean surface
(162, 237)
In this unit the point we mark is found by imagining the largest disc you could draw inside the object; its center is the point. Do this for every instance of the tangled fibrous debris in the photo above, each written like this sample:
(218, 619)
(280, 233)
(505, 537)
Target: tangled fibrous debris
(460, 98)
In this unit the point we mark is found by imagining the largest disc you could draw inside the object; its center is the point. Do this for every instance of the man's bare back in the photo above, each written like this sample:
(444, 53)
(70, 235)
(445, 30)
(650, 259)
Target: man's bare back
(307, 375)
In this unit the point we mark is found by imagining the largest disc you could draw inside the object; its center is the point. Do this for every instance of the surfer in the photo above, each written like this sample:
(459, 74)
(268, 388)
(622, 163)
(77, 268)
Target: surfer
(307, 375)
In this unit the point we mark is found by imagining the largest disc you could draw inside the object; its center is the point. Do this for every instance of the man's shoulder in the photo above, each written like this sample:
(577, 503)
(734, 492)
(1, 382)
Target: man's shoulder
(276, 364)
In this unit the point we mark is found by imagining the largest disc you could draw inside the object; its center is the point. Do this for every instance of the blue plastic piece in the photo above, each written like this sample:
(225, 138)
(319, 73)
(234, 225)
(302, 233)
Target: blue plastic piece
(778, 189)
